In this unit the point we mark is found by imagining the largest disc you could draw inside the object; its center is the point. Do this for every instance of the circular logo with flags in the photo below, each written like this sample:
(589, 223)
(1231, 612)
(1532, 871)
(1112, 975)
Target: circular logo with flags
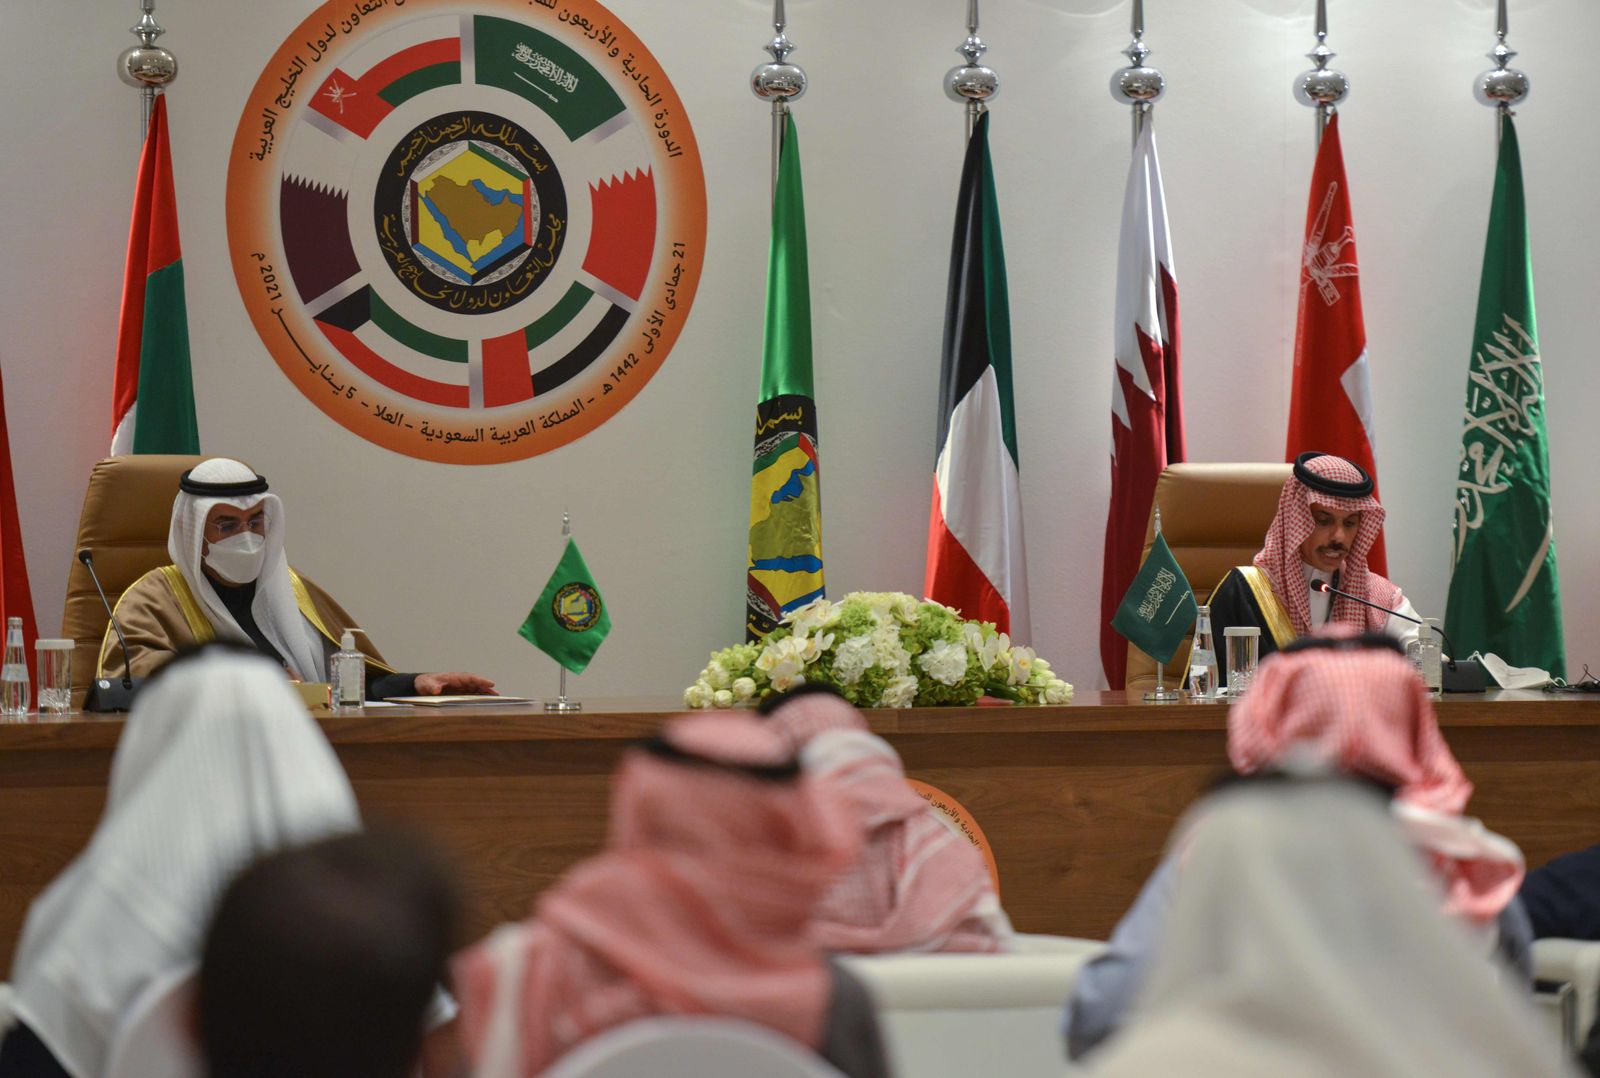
(576, 607)
(469, 233)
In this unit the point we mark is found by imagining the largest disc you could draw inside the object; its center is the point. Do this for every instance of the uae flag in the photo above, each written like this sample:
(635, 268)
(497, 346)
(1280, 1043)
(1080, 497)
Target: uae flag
(16, 599)
(975, 553)
(785, 571)
(1504, 593)
(1146, 399)
(153, 397)
(1330, 408)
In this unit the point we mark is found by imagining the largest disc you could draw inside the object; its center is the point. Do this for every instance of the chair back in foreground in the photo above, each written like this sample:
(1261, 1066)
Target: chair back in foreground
(1214, 516)
(154, 1037)
(690, 1048)
(127, 511)
(955, 1015)
(1576, 964)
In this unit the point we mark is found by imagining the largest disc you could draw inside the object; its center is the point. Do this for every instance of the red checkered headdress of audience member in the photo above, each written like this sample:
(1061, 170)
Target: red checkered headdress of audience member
(1340, 487)
(1364, 711)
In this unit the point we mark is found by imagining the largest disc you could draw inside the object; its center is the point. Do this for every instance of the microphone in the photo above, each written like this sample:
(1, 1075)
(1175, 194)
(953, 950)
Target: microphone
(1468, 673)
(105, 694)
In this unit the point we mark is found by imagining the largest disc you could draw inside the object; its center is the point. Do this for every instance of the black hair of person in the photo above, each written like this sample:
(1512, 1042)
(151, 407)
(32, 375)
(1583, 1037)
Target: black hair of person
(806, 688)
(1323, 485)
(663, 749)
(201, 489)
(321, 960)
(1368, 641)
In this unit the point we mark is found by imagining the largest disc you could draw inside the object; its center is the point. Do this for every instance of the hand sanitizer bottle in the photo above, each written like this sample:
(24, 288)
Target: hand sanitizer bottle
(349, 670)
(1425, 654)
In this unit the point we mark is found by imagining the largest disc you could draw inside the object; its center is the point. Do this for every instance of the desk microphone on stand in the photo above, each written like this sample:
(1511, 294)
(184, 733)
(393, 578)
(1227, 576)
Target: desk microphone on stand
(1458, 675)
(108, 694)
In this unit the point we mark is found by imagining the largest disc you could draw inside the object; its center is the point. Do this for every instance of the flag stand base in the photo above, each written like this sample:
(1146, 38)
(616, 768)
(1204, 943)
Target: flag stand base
(563, 704)
(1160, 695)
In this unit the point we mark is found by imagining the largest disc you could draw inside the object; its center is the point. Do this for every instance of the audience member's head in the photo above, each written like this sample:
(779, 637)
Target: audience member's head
(321, 961)
(809, 709)
(219, 763)
(1301, 940)
(1355, 704)
(718, 849)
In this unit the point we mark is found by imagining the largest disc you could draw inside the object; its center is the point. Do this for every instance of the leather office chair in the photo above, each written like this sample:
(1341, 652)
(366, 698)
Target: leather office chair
(127, 511)
(1214, 516)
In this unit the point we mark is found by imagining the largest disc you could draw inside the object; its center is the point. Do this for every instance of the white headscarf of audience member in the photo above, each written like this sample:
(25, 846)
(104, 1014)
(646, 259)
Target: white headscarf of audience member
(1305, 939)
(219, 764)
(276, 612)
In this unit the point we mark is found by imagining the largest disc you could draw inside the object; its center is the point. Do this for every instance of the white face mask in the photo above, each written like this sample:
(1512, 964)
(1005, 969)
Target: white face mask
(238, 559)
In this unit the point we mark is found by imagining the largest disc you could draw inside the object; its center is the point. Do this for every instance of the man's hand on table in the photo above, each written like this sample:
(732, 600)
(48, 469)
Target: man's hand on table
(454, 682)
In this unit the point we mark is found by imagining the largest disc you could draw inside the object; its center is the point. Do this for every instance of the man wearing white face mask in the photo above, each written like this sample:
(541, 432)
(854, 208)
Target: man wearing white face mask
(230, 579)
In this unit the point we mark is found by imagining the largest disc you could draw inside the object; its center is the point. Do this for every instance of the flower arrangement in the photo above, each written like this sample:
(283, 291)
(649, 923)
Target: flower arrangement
(880, 649)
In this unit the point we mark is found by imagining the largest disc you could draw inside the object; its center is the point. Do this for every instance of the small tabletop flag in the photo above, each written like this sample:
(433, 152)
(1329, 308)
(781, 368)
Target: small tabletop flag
(568, 621)
(1156, 613)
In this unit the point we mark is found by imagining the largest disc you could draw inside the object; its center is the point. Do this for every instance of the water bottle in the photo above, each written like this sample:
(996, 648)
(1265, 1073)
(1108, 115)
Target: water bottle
(1203, 659)
(14, 692)
(1426, 656)
(349, 670)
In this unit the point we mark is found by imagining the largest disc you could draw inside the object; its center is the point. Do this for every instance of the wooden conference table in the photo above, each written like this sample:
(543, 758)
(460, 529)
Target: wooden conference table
(1076, 801)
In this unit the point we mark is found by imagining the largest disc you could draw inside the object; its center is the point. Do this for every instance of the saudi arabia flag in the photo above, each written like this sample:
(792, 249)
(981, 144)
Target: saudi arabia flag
(153, 395)
(1504, 593)
(785, 571)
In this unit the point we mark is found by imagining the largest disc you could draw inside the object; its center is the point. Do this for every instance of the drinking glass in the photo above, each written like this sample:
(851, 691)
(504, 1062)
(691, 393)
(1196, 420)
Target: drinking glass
(55, 676)
(1244, 650)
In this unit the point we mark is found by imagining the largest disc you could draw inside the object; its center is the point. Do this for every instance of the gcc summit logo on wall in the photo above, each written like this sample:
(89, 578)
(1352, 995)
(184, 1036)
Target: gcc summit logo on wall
(468, 232)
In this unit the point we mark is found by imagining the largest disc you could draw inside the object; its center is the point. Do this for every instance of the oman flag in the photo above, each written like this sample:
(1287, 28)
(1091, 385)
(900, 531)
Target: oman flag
(1146, 400)
(975, 554)
(152, 403)
(1330, 408)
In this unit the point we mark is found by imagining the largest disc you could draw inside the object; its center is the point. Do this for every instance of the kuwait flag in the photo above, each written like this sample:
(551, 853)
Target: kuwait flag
(1146, 401)
(1330, 408)
(152, 404)
(785, 571)
(16, 599)
(1504, 593)
(975, 554)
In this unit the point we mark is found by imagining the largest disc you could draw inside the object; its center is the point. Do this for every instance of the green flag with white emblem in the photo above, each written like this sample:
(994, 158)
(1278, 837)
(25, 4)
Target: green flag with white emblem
(1504, 593)
(1159, 607)
(569, 620)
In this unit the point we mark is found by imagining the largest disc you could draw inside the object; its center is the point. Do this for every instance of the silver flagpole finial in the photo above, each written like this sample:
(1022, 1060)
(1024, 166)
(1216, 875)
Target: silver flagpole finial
(1321, 88)
(147, 65)
(1502, 86)
(1158, 518)
(566, 522)
(1138, 85)
(972, 83)
(779, 81)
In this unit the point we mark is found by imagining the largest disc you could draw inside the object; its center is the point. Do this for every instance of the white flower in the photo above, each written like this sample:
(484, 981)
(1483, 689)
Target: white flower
(945, 662)
(744, 688)
(891, 655)
(716, 675)
(900, 692)
(851, 659)
(697, 695)
(722, 698)
(1040, 664)
(986, 652)
(817, 614)
(905, 608)
(786, 677)
(1022, 659)
(813, 647)
(1058, 692)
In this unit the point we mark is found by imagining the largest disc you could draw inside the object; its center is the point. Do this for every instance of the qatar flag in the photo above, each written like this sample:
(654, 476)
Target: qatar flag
(1146, 400)
(1330, 408)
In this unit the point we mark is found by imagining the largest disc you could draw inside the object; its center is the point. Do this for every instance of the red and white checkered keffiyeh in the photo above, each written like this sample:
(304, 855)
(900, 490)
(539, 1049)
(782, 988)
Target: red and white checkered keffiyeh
(1280, 557)
(1366, 712)
(917, 885)
(699, 905)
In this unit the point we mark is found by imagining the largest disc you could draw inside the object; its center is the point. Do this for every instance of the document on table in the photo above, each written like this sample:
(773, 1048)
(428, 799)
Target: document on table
(465, 700)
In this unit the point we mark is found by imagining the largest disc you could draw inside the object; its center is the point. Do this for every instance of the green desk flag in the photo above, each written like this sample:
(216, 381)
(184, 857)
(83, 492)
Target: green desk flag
(1159, 607)
(568, 621)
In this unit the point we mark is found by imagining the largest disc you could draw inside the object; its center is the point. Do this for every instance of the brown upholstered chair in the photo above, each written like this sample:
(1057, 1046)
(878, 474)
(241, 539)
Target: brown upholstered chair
(127, 510)
(1214, 516)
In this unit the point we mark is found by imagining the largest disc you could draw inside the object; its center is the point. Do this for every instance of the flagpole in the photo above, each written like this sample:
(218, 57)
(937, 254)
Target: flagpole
(1502, 86)
(1138, 85)
(147, 66)
(1322, 88)
(972, 84)
(779, 82)
(1161, 694)
(561, 703)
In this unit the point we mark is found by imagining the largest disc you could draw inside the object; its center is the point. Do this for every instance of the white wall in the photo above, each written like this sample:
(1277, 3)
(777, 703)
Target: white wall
(442, 562)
